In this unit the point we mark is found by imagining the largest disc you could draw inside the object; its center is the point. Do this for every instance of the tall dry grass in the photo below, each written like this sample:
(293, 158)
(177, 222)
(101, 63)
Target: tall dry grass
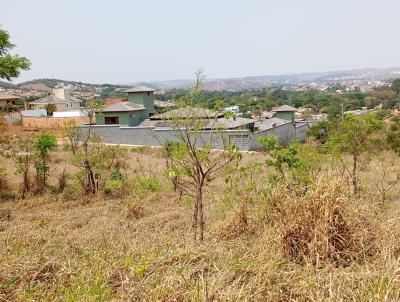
(263, 243)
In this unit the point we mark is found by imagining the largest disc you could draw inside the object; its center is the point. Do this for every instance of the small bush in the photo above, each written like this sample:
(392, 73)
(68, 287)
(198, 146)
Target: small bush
(72, 191)
(5, 190)
(135, 209)
(315, 226)
(141, 149)
(145, 185)
(115, 188)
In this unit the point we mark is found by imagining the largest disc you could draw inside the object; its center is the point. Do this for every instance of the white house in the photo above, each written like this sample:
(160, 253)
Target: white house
(60, 97)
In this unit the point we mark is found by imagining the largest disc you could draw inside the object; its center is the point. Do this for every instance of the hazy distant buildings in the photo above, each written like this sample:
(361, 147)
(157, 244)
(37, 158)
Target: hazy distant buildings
(60, 97)
(7, 99)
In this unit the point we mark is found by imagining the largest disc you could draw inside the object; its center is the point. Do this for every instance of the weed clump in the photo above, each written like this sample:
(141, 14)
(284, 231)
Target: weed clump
(135, 210)
(316, 226)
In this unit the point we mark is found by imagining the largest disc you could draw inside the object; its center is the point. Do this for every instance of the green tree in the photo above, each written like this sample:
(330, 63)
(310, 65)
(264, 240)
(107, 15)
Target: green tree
(396, 86)
(10, 108)
(50, 108)
(192, 162)
(297, 162)
(46, 142)
(320, 131)
(10, 65)
(354, 136)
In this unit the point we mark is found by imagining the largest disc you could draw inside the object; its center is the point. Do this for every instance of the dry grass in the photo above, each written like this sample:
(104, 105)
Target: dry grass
(285, 245)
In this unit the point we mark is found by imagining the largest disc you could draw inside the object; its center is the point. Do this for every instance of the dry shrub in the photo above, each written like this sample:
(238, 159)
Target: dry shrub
(237, 225)
(322, 224)
(5, 215)
(5, 189)
(135, 210)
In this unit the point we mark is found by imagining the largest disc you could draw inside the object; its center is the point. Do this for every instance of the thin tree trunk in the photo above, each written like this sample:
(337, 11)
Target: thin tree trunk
(354, 175)
(25, 188)
(201, 214)
(195, 216)
(90, 184)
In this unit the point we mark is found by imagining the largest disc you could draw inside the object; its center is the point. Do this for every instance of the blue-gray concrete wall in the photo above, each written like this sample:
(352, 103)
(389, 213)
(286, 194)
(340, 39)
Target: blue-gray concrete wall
(245, 140)
(113, 134)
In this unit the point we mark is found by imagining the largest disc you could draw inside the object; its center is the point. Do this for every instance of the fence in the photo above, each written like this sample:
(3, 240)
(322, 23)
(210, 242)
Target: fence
(51, 122)
(245, 140)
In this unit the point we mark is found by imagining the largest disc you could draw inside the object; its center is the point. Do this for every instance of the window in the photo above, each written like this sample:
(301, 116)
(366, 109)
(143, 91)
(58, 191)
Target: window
(111, 120)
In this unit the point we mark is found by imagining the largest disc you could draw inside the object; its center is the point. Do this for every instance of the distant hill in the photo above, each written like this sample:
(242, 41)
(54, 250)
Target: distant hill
(230, 84)
(263, 81)
(35, 86)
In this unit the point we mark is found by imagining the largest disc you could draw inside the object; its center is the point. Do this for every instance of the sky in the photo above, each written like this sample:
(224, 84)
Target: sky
(126, 41)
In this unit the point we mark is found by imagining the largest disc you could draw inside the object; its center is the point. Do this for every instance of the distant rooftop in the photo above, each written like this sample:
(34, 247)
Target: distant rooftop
(199, 113)
(139, 89)
(5, 96)
(163, 104)
(53, 99)
(271, 123)
(222, 122)
(48, 99)
(123, 107)
(284, 108)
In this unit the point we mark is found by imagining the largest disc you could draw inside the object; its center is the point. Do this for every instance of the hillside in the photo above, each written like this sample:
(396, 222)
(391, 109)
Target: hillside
(300, 223)
(263, 81)
(230, 84)
(35, 86)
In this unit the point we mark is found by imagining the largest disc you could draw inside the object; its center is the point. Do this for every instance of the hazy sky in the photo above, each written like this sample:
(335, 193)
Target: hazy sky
(124, 41)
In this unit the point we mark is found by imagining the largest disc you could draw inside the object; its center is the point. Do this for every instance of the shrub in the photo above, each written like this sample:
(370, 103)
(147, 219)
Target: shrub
(10, 108)
(50, 108)
(145, 185)
(115, 187)
(316, 227)
(46, 142)
(135, 209)
(72, 190)
(5, 191)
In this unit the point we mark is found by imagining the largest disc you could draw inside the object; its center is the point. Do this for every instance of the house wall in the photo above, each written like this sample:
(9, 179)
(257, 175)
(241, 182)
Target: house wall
(62, 93)
(59, 106)
(3, 103)
(301, 131)
(143, 98)
(245, 140)
(113, 134)
(285, 133)
(74, 106)
(51, 122)
(125, 118)
(289, 116)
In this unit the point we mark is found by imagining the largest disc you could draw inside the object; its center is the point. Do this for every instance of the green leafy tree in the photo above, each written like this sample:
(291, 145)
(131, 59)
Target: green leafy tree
(10, 108)
(396, 86)
(320, 131)
(354, 136)
(10, 65)
(281, 159)
(46, 142)
(50, 108)
(193, 164)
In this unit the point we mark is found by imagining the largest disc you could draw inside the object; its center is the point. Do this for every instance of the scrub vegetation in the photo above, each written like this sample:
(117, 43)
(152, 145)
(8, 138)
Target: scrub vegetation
(292, 223)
